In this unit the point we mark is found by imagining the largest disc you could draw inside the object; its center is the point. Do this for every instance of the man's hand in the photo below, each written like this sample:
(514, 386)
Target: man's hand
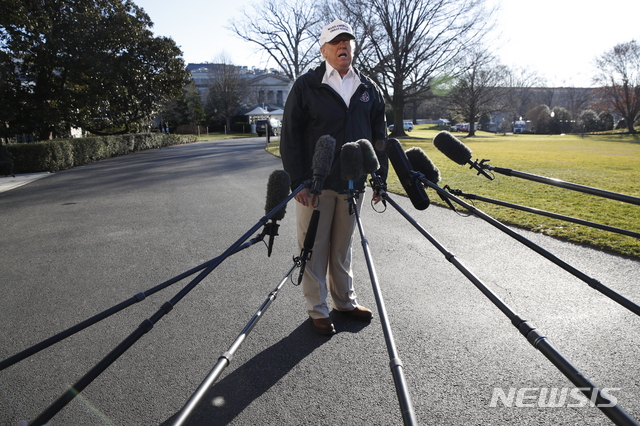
(376, 197)
(305, 198)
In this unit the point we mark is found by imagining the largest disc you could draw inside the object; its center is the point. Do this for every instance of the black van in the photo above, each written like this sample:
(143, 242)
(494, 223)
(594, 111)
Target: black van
(261, 127)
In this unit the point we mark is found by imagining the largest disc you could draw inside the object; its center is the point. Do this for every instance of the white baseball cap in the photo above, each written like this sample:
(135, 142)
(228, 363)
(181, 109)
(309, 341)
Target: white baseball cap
(334, 29)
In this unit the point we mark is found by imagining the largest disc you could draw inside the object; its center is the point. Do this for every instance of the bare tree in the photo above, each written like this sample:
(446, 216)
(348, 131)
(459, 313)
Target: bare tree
(521, 96)
(481, 88)
(546, 95)
(577, 99)
(226, 90)
(406, 44)
(619, 75)
(286, 30)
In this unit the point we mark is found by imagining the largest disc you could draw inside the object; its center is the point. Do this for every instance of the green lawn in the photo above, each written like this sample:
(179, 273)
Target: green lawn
(608, 162)
(222, 136)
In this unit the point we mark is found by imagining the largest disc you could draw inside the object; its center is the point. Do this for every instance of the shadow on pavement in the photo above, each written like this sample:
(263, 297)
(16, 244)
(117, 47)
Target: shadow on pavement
(231, 395)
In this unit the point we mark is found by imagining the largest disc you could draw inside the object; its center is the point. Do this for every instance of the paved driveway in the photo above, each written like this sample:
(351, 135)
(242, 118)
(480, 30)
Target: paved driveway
(83, 240)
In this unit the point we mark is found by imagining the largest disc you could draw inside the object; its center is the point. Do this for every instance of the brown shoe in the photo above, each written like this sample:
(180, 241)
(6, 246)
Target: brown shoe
(323, 326)
(359, 313)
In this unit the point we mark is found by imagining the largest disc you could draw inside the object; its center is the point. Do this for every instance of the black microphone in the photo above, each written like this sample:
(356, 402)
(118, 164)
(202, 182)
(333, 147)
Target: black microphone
(277, 191)
(309, 241)
(450, 146)
(370, 161)
(423, 164)
(351, 161)
(371, 164)
(321, 161)
(352, 167)
(401, 165)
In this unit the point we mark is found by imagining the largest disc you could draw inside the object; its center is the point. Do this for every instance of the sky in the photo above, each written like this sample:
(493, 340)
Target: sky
(559, 39)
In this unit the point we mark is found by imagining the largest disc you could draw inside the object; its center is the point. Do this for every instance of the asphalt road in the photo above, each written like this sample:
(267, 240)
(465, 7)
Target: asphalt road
(83, 240)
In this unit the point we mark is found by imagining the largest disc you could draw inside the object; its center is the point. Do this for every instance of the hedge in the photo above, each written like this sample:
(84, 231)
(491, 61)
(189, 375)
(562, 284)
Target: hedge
(61, 154)
(241, 127)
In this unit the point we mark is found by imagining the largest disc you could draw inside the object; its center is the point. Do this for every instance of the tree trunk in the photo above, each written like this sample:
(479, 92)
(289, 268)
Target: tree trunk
(398, 116)
(472, 123)
(632, 129)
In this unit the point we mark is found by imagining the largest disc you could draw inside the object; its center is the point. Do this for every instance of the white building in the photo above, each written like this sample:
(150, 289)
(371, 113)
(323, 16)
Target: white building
(265, 86)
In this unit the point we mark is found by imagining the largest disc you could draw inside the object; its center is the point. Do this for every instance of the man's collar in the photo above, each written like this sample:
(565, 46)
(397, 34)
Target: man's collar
(331, 69)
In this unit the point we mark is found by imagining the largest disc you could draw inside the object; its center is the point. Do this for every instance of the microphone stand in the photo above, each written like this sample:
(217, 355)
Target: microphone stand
(115, 309)
(226, 357)
(538, 341)
(593, 283)
(352, 195)
(148, 324)
(563, 184)
(404, 399)
(459, 193)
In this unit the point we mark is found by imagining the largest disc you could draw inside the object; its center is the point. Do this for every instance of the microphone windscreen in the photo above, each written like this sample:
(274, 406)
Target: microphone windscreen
(323, 155)
(351, 162)
(450, 146)
(277, 191)
(423, 164)
(370, 161)
(414, 189)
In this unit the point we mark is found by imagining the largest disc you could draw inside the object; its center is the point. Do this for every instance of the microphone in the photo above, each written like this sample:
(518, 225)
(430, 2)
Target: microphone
(401, 165)
(351, 162)
(423, 164)
(277, 191)
(309, 240)
(450, 146)
(352, 167)
(321, 162)
(370, 161)
(371, 164)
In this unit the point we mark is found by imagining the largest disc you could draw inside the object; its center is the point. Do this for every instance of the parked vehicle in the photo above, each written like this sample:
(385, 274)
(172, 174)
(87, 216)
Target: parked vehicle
(463, 127)
(521, 126)
(408, 126)
(275, 125)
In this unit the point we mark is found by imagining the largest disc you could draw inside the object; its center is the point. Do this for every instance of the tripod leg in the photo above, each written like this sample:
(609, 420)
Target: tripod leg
(397, 369)
(225, 358)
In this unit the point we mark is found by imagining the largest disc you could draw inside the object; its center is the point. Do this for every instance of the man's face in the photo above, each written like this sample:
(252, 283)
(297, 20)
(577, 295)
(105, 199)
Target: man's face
(337, 52)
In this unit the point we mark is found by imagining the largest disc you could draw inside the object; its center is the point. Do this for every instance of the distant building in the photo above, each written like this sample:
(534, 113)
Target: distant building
(264, 86)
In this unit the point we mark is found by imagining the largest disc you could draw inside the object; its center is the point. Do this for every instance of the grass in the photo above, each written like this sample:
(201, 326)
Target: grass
(222, 136)
(609, 162)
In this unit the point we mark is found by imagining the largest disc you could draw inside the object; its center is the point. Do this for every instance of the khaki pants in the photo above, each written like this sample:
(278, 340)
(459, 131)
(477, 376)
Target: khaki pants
(329, 269)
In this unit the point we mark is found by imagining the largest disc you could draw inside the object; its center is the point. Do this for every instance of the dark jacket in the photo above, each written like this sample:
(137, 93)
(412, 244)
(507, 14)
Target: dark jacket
(314, 109)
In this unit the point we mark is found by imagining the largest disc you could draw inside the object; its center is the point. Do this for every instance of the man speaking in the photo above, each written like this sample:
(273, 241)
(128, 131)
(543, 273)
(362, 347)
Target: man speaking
(333, 100)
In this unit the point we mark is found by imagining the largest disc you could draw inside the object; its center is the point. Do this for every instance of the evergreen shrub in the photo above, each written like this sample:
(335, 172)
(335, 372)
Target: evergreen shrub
(61, 154)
